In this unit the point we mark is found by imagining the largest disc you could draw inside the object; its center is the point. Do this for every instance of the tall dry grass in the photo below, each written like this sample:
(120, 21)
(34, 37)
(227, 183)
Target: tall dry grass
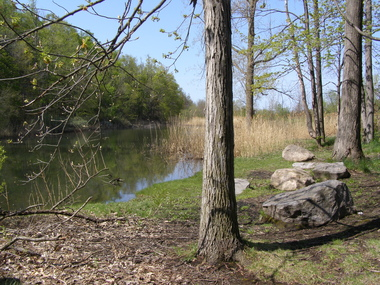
(266, 134)
(185, 137)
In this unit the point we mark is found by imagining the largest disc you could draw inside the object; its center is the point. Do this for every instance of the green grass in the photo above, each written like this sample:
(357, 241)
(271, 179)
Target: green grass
(173, 200)
(338, 262)
(269, 162)
(188, 253)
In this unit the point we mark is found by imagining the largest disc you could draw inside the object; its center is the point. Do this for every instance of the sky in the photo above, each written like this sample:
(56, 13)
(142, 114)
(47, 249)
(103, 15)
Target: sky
(148, 40)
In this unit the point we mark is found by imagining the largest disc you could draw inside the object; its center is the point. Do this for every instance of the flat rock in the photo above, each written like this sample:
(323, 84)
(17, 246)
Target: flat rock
(311, 206)
(304, 165)
(324, 170)
(240, 185)
(296, 153)
(289, 179)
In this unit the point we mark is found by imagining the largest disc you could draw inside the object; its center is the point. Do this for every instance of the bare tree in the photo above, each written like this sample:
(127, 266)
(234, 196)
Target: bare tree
(318, 69)
(312, 73)
(257, 62)
(219, 237)
(249, 81)
(300, 76)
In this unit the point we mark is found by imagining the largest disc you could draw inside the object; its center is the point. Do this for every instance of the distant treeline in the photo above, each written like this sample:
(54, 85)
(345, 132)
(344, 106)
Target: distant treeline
(127, 93)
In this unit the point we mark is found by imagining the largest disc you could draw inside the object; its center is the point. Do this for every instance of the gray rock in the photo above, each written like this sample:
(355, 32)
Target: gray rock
(289, 179)
(240, 185)
(296, 153)
(304, 165)
(327, 171)
(311, 206)
(324, 170)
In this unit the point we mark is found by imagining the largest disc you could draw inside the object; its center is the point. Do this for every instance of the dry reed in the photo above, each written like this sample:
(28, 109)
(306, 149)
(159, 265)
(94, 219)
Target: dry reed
(264, 136)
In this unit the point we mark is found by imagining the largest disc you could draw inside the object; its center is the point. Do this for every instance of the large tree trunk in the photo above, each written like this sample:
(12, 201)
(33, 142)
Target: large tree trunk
(347, 143)
(368, 104)
(219, 237)
(249, 77)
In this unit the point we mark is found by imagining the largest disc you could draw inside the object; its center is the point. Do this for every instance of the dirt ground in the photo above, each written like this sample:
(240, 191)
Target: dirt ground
(144, 251)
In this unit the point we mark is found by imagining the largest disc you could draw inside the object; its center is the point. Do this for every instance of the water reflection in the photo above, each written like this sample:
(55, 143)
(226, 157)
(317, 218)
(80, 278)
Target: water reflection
(182, 169)
(132, 166)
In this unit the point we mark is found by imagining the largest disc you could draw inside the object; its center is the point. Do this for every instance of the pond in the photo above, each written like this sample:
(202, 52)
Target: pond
(131, 166)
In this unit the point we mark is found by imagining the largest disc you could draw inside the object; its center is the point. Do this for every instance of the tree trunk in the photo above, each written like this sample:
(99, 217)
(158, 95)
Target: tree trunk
(318, 70)
(339, 68)
(368, 104)
(347, 143)
(310, 62)
(219, 238)
(249, 77)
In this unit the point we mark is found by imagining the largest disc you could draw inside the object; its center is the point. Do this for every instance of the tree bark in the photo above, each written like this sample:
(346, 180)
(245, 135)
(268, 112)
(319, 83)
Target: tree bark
(219, 237)
(339, 68)
(347, 143)
(369, 96)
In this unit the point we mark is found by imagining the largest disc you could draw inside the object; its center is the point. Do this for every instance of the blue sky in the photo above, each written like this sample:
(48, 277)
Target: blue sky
(151, 42)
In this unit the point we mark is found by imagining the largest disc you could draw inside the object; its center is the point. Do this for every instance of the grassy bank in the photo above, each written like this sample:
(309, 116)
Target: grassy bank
(340, 253)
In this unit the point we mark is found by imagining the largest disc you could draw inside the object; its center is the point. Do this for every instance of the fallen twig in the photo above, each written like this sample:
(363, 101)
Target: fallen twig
(7, 214)
(7, 245)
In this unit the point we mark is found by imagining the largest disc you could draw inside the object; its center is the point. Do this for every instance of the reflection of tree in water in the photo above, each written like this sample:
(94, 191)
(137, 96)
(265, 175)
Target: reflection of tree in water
(131, 159)
(132, 166)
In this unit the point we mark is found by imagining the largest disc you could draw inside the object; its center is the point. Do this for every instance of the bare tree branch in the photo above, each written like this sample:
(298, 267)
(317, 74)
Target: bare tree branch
(7, 245)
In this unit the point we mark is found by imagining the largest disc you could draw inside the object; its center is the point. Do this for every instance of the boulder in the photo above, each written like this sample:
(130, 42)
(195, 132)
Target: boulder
(240, 185)
(311, 206)
(324, 170)
(296, 153)
(289, 179)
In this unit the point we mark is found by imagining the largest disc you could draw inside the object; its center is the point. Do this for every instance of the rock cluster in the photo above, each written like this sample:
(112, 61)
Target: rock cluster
(305, 173)
(313, 204)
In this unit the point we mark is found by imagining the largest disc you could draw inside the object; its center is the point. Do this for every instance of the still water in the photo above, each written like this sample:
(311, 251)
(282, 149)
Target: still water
(127, 154)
